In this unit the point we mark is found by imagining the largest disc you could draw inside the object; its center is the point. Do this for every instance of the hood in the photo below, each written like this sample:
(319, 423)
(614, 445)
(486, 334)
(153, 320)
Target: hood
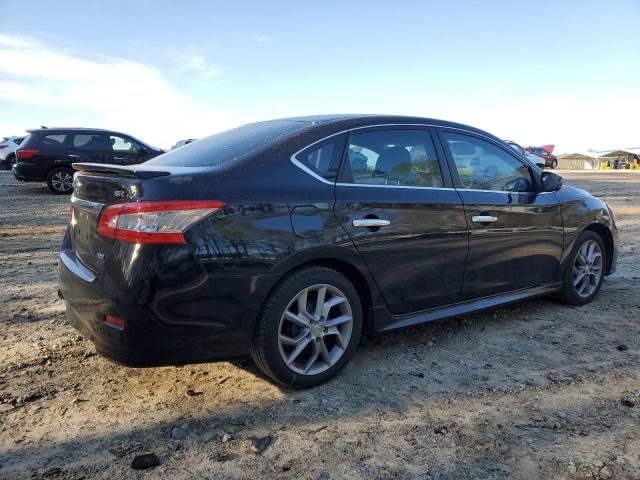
(577, 190)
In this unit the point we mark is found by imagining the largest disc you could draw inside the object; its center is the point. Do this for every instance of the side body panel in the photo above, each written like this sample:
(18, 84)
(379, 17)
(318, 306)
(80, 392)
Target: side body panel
(419, 259)
(521, 246)
(521, 249)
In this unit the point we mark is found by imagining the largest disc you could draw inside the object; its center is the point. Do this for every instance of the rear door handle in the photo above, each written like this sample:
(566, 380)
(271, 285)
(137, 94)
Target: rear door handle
(484, 219)
(371, 222)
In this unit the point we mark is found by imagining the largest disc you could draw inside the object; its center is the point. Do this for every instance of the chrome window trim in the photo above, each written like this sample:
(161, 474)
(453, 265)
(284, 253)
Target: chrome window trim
(500, 191)
(306, 169)
(389, 186)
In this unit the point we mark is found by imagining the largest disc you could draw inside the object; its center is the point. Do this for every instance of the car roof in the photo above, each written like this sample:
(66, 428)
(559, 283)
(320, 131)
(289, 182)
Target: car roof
(60, 130)
(349, 121)
(74, 129)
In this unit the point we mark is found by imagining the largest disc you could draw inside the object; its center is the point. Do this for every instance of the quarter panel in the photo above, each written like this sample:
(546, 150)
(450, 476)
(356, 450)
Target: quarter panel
(579, 210)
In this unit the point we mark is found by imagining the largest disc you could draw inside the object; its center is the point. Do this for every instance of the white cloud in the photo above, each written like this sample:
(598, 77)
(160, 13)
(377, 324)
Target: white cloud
(197, 64)
(17, 42)
(113, 93)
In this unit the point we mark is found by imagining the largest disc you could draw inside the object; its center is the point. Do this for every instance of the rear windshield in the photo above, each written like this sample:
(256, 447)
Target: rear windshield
(230, 146)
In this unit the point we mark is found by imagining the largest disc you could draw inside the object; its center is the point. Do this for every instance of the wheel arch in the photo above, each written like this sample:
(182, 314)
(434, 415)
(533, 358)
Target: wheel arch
(363, 285)
(607, 238)
(54, 167)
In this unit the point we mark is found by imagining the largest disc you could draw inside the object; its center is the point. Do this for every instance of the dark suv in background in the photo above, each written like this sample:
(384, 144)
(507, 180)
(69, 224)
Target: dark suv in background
(46, 154)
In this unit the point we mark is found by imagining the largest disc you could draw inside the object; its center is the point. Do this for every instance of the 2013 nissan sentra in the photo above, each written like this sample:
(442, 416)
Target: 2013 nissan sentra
(289, 240)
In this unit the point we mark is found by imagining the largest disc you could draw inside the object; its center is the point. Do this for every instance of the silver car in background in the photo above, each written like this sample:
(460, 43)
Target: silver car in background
(8, 147)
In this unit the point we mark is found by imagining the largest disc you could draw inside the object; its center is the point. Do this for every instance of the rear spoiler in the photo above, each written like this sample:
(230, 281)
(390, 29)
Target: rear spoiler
(137, 171)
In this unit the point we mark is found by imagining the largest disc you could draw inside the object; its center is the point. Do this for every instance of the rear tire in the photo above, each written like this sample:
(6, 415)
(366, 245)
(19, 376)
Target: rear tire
(11, 161)
(60, 180)
(584, 271)
(309, 328)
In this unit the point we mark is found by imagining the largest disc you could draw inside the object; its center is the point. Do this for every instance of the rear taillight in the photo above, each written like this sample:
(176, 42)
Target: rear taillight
(26, 153)
(154, 222)
(115, 322)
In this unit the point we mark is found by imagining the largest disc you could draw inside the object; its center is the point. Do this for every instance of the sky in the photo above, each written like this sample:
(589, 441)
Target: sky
(537, 72)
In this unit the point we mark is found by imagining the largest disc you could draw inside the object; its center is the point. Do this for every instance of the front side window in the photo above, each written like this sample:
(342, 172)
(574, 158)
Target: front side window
(393, 157)
(482, 165)
(121, 144)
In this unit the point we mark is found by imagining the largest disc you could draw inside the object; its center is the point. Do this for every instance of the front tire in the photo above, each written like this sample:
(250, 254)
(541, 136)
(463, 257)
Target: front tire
(60, 180)
(554, 164)
(309, 328)
(585, 270)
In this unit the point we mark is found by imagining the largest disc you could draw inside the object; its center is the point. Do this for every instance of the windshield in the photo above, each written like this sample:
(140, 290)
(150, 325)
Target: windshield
(230, 146)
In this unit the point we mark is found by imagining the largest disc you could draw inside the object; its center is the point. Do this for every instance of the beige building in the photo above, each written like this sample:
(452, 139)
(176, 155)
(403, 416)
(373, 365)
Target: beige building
(578, 161)
(623, 158)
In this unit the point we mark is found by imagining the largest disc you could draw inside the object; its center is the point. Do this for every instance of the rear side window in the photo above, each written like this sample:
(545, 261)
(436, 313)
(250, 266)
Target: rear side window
(393, 157)
(95, 142)
(54, 140)
(85, 140)
(228, 147)
(323, 158)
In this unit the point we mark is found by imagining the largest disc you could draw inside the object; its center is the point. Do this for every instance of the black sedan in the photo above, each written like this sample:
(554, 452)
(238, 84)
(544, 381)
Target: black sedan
(290, 240)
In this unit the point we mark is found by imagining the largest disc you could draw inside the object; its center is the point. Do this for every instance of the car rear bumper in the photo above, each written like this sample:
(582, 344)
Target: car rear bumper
(158, 331)
(27, 173)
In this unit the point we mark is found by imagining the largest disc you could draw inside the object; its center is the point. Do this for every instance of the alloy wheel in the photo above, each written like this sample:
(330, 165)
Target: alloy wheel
(62, 181)
(587, 268)
(315, 329)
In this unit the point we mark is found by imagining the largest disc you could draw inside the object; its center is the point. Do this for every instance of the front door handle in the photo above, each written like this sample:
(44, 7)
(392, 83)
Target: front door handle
(371, 222)
(484, 219)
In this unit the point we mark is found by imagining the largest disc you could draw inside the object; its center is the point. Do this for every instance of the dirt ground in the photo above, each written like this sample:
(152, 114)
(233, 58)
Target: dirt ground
(534, 390)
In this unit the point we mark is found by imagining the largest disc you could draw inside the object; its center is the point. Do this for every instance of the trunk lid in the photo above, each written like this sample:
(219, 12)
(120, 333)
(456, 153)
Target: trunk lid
(96, 186)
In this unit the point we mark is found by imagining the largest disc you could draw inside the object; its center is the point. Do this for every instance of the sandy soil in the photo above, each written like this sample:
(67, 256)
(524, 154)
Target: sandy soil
(535, 390)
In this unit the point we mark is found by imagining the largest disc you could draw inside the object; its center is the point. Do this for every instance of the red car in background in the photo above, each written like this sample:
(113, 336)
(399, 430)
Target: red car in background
(546, 152)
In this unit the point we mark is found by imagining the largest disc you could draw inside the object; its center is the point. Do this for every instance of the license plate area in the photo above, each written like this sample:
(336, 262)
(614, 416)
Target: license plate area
(82, 228)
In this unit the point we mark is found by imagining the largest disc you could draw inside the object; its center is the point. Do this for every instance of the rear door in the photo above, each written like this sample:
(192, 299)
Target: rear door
(93, 147)
(402, 215)
(126, 151)
(516, 230)
(53, 149)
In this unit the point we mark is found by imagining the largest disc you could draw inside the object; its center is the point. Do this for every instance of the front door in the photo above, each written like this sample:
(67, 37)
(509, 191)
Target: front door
(126, 151)
(408, 225)
(516, 231)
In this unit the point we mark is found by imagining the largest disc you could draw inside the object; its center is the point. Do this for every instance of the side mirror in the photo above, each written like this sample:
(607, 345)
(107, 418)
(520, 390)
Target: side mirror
(142, 150)
(541, 165)
(551, 182)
